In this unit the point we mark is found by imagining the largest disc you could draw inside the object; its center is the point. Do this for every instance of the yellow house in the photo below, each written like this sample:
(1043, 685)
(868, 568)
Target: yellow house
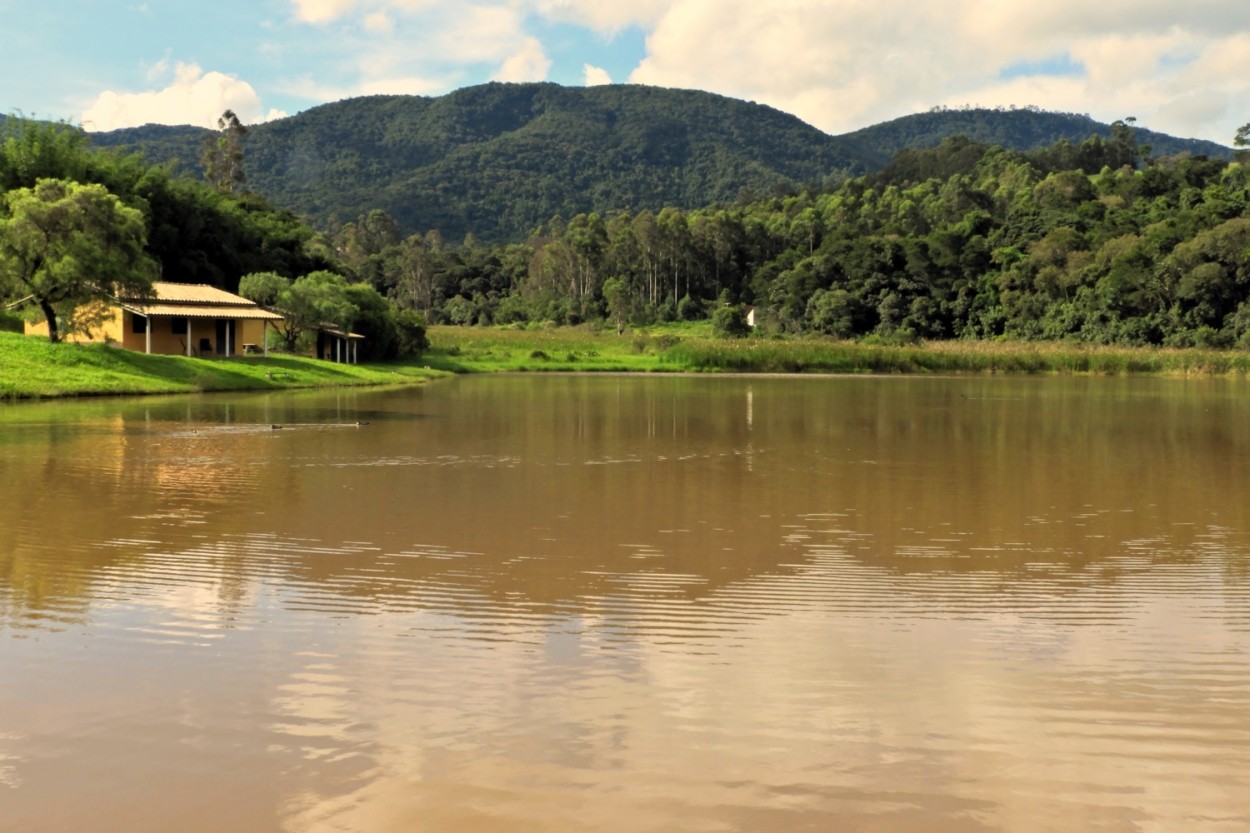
(180, 318)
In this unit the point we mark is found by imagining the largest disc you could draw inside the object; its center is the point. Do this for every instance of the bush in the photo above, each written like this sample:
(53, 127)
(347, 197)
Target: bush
(410, 328)
(730, 322)
(11, 323)
(375, 320)
(690, 309)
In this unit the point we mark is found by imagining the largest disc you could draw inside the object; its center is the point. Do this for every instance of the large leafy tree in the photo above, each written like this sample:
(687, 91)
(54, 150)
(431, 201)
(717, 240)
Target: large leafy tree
(307, 304)
(64, 245)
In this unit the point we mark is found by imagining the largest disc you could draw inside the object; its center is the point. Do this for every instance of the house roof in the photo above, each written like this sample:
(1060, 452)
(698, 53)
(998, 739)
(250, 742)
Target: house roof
(197, 301)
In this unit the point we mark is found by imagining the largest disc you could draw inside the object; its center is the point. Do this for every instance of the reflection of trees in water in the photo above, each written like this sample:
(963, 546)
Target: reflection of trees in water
(564, 494)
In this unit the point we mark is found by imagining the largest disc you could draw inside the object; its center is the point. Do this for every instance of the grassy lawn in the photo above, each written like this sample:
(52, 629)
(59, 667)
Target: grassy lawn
(33, 368)
(691, 348)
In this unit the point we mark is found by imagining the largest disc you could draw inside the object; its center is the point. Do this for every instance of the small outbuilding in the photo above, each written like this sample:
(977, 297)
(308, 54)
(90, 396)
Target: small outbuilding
(333, 344)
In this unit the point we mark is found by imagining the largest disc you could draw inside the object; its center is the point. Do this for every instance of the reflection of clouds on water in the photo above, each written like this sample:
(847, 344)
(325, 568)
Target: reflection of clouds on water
(8, 761)
(584, 615)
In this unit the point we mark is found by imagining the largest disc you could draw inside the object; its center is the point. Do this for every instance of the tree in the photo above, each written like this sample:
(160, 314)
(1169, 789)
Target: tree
(307, 304)
(64, 245)
(265, 288)
(1242, 142)
(730, 321)
(223, 155)
(620, 301)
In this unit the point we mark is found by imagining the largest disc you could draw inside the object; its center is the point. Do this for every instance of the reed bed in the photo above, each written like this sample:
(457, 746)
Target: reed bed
(672, 349)
(816, 356)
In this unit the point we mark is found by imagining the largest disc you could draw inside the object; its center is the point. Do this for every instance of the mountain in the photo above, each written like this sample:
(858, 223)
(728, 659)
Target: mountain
(1018, 129)
(497, 160)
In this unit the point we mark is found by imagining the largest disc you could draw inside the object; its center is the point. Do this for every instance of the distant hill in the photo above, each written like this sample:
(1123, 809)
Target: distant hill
(1019, 129)
(499, 159)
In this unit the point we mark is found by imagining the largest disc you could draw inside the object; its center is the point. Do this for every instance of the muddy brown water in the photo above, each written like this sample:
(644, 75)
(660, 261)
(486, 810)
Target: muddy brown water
(566, 603)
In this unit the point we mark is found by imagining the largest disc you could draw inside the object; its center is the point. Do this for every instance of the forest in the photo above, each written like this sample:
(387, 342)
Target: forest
(79, 223)
(1100, 241)
(499, 160)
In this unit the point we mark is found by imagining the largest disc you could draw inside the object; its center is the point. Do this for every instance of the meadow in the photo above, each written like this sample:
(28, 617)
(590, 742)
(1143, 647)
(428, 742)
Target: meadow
(692, 349)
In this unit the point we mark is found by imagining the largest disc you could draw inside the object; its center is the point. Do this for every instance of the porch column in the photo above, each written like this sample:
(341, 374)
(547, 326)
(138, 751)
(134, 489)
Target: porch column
(190, 340)
(229, 333)
(264, 332)
(147, 337)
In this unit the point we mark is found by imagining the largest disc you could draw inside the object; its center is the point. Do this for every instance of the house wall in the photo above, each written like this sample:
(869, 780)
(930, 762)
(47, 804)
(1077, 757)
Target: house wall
(118, 327)
(249, 331)
(165, 341)
(93, 323)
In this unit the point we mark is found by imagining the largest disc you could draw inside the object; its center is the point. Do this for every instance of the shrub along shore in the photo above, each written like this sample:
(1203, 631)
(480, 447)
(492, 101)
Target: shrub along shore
(32, 368)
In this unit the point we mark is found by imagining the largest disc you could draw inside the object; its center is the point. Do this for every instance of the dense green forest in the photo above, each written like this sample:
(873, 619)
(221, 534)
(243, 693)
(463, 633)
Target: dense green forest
(1018, 128)
(79, 224)
(498, 160)
(1080, 241)
(1101, 239)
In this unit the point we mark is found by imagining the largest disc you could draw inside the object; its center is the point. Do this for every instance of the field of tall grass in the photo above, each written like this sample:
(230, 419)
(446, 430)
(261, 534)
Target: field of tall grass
(691, 349)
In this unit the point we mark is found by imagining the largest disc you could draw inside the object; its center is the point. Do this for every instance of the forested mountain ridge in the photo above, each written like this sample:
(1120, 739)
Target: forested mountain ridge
(497, 160)
(1018, 129)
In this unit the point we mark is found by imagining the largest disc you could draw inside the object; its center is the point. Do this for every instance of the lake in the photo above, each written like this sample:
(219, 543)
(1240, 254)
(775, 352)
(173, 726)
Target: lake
(570, 603)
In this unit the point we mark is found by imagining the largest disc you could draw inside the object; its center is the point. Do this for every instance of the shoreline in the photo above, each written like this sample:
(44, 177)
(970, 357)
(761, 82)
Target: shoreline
(35, 370)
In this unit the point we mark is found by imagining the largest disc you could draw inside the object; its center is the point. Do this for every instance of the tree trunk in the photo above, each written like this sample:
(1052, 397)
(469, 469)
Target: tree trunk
(53, 334)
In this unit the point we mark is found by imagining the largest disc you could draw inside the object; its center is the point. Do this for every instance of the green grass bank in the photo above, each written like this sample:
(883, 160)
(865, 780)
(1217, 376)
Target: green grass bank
(32, 368)
(691, 349)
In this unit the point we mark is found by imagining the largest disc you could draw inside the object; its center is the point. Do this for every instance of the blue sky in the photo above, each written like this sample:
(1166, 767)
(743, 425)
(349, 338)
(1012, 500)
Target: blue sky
(837, 64)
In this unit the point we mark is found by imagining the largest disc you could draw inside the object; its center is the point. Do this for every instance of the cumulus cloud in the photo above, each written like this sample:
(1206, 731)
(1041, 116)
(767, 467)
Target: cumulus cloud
(379, 23)
(848, 64)
(193, 97)
(837, 64)
(321, 11)
(595, 76)
(529, 63)
(604, 16)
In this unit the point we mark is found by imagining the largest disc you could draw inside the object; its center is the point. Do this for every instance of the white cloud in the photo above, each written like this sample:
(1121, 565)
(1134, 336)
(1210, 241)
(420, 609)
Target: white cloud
(595, 76)
(609, 16)
(838, 64)
(193, 97)
(529, 63)
(844, 65)
(321, 11)
(379, 23)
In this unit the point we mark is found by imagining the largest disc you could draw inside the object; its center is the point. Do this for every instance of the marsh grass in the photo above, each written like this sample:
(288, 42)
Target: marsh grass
(583, 349)
(674, 349)
(32, 368)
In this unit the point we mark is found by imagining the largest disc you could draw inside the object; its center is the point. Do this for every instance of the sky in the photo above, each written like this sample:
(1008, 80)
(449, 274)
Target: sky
(1178, 67)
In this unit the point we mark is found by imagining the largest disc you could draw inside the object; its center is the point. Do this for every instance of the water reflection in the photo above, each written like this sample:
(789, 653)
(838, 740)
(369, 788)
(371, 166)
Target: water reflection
(620, 604)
